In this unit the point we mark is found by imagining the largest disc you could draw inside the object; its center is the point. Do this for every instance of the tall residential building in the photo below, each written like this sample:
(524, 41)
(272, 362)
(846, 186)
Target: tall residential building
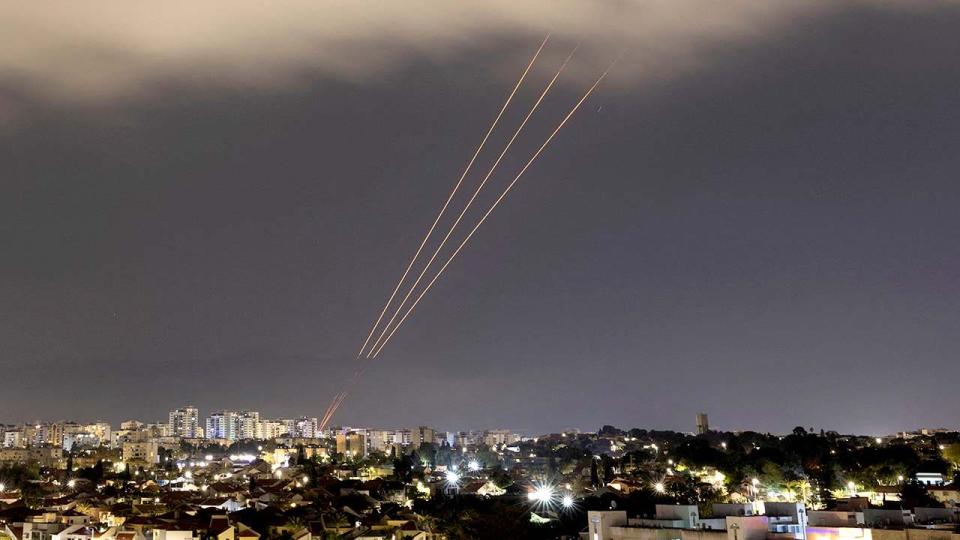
(403, 437)
(14, 438)
(380, 440)
(141, 453)
(497, 437)
(248, 425)
(352, 443)
(185, 422)
(222, 425)
(703, 423)
(307, 428)
(422, 435)
(272, 429)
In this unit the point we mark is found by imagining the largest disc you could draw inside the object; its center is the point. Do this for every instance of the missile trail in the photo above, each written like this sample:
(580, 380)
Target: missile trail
(329, 412)
(472, 199)
(452, 193)
(497, 202)
(338, 400)
(342, 396)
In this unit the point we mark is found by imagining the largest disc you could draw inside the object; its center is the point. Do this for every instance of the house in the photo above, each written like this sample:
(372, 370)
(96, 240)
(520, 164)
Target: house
(223, 503)
(80, 531)
(482, 489)
(948, 494)
(246, 533)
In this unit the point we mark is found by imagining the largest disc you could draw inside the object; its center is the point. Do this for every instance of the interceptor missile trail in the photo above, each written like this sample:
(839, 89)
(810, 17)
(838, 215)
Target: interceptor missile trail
(329, 412)
(452, 193)
(333, 409)
(341, 396)
(497, 202)
(472, 199)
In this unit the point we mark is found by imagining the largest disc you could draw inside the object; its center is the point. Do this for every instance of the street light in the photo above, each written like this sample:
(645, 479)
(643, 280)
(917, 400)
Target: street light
(452, 477)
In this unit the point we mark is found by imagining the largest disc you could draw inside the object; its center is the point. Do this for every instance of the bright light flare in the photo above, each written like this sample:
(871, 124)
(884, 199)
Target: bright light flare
(542, 494)
(567, 501)
(474, 465)
(453, 477)
(659, 487)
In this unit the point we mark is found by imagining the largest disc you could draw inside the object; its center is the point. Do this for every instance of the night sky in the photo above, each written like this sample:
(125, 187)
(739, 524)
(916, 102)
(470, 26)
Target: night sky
(756, 216)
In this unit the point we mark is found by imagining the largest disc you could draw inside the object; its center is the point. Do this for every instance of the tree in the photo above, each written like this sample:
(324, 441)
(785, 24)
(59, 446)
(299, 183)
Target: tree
(301, 454)
(403, 468)
(594, 475)
(951, 453)
(609, 431)
(915, 495)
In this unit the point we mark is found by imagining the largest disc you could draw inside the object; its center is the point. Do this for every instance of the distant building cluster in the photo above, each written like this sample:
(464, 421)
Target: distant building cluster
(141, 442)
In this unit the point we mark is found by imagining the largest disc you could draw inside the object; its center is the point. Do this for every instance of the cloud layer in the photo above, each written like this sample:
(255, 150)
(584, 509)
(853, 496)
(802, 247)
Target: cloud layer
(114, 49)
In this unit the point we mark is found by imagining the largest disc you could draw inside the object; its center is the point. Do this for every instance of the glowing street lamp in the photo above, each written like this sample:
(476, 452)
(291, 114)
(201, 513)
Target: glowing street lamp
(567, 501)
(453, 477)
(542, 494)
(474, 465)
(659, 487)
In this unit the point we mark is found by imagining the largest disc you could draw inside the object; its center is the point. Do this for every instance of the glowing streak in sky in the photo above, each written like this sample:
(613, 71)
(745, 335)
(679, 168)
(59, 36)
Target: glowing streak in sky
(452, 193)
(497, 202)
(472, 199)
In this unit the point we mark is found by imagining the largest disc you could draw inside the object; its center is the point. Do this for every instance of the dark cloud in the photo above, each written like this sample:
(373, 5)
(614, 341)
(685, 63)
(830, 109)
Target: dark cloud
(768, 235)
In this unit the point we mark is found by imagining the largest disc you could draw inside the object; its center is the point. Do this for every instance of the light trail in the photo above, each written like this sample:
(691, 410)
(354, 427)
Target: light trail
(472, 199)
(341, 396)
(452, 193)
(329, 412)
(495, 204)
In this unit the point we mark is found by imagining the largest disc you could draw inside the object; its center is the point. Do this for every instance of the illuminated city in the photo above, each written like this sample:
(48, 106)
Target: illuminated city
(288, 478)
